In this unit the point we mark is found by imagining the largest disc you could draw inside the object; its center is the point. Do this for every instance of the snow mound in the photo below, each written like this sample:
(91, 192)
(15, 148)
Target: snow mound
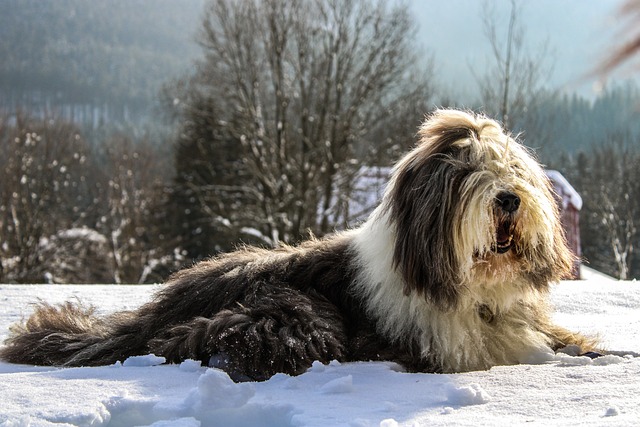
(190, 366)
(218, 401)
(609, 359)
(142, 361)
(472, 394)
(538, 356)
(317, 367)
(339, 385)
(216, 390)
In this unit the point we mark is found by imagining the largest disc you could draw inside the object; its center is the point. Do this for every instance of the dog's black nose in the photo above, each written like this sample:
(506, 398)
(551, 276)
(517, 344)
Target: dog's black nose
(509, 202)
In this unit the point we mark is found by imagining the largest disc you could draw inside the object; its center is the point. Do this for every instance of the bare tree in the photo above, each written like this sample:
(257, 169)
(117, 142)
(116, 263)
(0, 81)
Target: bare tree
(513, 86)
(71, 212)
(609, 182)
(43, 163)
(130, 188)
(303, 94)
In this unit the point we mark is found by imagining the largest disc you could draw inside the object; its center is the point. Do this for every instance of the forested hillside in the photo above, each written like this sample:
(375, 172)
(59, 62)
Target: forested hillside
(567, 123)
(93, 61)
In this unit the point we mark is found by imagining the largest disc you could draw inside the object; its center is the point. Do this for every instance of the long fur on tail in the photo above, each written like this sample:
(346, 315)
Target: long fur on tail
(68, 334)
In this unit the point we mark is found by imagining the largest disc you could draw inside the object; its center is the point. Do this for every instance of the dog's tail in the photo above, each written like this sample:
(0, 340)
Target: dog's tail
(70, 334)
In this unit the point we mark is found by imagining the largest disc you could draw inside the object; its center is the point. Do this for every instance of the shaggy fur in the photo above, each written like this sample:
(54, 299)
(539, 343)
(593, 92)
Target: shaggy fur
(450, 273)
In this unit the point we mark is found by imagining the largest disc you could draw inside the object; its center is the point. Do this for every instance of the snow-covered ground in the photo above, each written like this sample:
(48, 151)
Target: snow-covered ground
(563, 391)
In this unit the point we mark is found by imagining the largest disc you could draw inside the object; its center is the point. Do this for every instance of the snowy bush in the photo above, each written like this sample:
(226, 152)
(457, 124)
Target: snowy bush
(77, 255)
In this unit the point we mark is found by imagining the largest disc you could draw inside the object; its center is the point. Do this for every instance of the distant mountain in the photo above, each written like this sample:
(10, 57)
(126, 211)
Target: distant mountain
(83, 56)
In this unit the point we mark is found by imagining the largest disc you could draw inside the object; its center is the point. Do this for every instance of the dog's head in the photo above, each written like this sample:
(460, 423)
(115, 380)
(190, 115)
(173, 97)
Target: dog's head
(471, 207)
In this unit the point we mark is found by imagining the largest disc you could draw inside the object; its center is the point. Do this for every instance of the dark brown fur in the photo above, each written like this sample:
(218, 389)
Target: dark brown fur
(256, 312)
(426, 259)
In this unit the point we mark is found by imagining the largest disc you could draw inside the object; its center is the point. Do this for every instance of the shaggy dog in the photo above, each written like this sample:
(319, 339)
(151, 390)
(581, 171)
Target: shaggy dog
(450, 273)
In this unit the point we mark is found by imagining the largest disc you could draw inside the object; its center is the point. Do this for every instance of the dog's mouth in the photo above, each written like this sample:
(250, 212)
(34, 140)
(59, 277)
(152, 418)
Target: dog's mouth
(504, 237)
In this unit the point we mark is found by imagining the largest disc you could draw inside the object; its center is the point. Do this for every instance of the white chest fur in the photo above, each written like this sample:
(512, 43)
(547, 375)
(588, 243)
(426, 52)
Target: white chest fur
(491, 325)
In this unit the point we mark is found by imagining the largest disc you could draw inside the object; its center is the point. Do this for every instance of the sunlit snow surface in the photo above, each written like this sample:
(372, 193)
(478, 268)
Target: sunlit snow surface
(563, 391)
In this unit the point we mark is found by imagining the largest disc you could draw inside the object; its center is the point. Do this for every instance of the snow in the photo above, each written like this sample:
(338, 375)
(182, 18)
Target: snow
(82, 233)
(565, 190)
(559, 389)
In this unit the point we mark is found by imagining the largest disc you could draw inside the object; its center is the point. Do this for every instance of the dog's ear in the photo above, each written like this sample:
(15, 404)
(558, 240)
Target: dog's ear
(424, 204)
(422, 208)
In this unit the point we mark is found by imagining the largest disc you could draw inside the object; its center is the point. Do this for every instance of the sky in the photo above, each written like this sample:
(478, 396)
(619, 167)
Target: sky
(578, 33)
